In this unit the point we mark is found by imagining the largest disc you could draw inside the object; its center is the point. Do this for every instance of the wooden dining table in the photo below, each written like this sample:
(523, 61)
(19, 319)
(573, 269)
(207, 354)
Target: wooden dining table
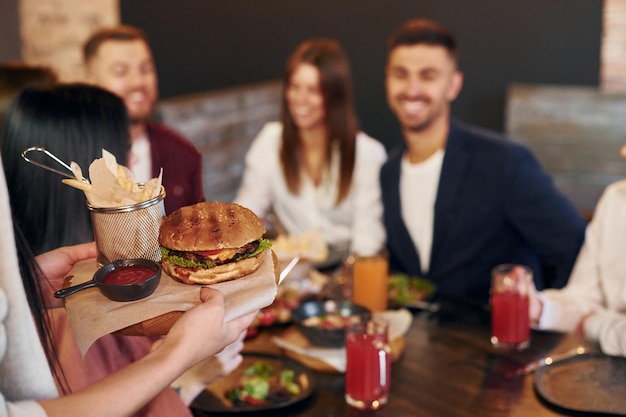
(447, 368)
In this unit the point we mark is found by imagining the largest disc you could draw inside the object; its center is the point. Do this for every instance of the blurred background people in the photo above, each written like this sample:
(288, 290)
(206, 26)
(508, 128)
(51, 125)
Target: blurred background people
(119, 59)
(314, 169)
(458, 200)
(593, 303)
(75, 122)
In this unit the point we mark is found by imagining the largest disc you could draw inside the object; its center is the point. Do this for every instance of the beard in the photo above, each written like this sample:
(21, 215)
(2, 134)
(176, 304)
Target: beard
(135, 121)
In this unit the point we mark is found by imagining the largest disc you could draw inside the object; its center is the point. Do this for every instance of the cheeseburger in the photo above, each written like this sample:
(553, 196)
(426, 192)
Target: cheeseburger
(211, 242)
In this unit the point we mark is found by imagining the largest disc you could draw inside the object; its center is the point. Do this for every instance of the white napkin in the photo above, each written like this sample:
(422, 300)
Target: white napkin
(399, 324)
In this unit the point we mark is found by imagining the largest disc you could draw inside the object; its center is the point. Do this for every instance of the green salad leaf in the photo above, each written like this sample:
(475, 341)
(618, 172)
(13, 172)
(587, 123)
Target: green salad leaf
(260, 383)
(403, 289)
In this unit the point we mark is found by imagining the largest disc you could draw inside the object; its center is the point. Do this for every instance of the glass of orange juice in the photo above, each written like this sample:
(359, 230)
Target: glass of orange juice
(369, 275)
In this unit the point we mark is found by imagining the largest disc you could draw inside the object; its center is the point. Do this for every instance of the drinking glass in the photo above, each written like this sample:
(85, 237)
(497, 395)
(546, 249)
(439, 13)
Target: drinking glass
(510, 324)
(368, 364)
(368, 278)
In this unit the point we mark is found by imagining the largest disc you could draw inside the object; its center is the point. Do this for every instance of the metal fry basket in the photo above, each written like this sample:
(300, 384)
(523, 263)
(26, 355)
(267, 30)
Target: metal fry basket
(128, 232)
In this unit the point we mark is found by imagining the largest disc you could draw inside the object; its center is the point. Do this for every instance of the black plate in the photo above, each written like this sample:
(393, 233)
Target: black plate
(585, 384)
(319, 336)
(212, 400)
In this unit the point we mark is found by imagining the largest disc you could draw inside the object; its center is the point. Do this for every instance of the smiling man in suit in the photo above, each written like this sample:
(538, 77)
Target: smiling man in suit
(459, 200)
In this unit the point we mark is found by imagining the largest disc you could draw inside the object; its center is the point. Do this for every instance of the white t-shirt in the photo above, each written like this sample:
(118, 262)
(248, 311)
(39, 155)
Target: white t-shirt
(140, 159)
(418, 191)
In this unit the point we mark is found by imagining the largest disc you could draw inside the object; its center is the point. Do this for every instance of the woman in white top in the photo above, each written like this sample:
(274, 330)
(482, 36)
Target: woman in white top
(315, 169)
(593, 302)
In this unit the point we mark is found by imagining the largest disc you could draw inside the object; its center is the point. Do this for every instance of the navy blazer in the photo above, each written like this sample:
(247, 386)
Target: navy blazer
(494, 204)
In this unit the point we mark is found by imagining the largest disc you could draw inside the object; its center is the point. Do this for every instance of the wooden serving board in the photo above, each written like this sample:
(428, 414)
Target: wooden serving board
(156, 326)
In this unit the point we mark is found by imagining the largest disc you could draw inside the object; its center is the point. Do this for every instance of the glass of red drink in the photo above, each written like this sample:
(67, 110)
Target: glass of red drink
(368, 364)
(510, 323)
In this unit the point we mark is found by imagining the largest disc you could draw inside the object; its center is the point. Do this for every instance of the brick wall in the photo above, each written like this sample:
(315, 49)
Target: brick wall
(53, 31)
(613, 51)
(222, 124)
(576, 132)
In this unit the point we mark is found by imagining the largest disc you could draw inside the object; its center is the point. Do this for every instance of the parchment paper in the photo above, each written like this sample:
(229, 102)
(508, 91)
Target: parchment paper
(92, 315)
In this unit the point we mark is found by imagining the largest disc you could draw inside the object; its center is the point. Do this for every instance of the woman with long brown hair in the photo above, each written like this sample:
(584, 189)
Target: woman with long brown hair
(315, 169)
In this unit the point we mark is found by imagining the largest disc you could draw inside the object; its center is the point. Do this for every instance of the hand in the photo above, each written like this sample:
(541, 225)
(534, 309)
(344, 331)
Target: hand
(580, 327)
(535, 305)
(201, 332)
(192, 382)
(56, 263)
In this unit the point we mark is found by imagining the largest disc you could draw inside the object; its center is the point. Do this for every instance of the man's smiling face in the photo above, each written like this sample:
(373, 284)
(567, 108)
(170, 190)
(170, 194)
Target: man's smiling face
(422, 80)
(126, 68)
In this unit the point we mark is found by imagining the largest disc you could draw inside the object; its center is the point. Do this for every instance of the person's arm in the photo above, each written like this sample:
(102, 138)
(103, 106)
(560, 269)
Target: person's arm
(609, 329)
(198, 334)
(542, 215)
(565, 309)
(368, 231)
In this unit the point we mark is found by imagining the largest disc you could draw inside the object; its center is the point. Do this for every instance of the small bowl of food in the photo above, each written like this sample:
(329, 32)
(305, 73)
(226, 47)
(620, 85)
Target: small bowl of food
(324, 322)
(121, 280)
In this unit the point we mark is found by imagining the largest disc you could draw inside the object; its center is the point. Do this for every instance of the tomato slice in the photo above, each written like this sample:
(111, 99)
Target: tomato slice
(208, 252)
(254, 401)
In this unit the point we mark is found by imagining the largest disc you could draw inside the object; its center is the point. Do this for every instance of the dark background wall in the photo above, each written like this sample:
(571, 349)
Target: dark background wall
(204, 45)
(9, 31)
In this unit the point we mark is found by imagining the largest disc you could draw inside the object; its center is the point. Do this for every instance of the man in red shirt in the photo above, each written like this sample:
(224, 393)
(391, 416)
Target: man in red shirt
(119, 59)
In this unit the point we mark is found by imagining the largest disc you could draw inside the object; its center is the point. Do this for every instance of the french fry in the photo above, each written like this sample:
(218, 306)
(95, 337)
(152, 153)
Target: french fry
(112, 185)
(146, 194)
(77, 184)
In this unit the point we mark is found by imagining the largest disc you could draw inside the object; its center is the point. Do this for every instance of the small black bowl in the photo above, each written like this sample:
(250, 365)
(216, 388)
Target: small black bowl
(121, 291)
(326, 337)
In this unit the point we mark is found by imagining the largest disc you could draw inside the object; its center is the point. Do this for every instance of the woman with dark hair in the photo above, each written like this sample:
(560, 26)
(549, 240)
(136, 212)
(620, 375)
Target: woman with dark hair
(75, 122)
(27, 387)
(328, 170)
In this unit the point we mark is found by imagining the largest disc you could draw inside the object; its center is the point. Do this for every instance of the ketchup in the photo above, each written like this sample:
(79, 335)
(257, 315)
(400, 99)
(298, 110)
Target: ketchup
(129, 274)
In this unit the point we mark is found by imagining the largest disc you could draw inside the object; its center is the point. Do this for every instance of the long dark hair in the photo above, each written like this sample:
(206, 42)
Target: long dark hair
(328, 57)
(74, 122)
